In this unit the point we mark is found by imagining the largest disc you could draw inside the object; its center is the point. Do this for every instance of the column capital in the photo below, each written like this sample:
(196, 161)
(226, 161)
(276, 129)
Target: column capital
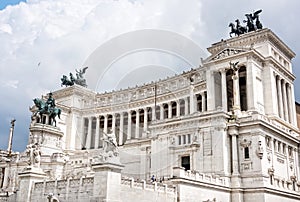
(283, 81)
(233, 130)
(223, 70)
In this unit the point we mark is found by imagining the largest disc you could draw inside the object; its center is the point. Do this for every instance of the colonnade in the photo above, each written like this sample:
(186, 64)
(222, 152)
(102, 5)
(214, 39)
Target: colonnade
(285, 99)
(133, 124)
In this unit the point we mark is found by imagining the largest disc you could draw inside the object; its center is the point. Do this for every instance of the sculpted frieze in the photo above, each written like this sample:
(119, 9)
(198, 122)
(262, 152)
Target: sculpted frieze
(227, 52)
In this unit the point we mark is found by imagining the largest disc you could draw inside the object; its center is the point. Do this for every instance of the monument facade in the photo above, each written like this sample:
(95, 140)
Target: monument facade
(224, 131)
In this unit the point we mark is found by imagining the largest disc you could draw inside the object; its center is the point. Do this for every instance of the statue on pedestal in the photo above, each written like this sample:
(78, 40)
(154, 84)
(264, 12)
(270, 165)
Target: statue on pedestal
(48, 108)
(110, 143)
(110, 151)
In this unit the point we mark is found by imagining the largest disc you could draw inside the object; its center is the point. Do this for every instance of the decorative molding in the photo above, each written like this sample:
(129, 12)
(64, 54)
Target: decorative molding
(227, 52)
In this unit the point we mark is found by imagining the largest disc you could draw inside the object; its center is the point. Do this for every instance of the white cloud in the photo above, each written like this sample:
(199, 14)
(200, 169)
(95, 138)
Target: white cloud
(60, 35)
(11, 83)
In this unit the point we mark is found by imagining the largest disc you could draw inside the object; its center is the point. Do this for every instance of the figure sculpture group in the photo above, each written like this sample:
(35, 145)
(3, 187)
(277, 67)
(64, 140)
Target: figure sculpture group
(79, 80)
(34, 155)
(252, 23)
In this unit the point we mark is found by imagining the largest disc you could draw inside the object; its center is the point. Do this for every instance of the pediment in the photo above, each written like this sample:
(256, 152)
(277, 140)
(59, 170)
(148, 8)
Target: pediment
(226, 52)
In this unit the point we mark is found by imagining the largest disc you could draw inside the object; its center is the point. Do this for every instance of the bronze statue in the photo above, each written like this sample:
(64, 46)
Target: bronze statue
(47, 107)
(252, 23)
(79, 80)
(66, 82)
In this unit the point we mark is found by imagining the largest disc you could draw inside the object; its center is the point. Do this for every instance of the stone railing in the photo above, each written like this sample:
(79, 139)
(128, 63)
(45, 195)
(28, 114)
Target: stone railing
(179, 172)
(283, 184)
(165, 86)
(155, 186)
(63, 188)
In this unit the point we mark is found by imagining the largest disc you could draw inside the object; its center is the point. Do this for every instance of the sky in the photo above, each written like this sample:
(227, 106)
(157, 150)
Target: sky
(41, 40)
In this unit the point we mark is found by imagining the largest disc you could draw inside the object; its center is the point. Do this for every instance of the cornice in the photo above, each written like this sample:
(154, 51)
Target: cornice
(249, 39)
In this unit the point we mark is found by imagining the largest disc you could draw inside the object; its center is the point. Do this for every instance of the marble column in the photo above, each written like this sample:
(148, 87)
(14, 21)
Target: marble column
(285, 107)
(121, 132)
(286, 152)
(105, 124)
(224, 89)
(89, 135)
(203, 101)
(161, 107)
(83, 133)
(192, 99)
(170, 110)
(236, 93)
(296, 159)
(178, 108)
(233, 132)
(97, 132)
(129, 126)
(290, 103)
(145, 119)
(137, 124)
(186, 106)
(293, 106)
(153, 113)
(279, 95)
(113, 127)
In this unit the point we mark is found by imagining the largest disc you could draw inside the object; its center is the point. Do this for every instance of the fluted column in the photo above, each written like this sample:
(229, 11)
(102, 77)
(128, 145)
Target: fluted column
(236, 93)
(97, 132)
(178, 108)
(285, 107)
(145, 119)
(121, 132)
(290, 103)
(137, 124)
(161, 107)
(224, 89)
(129, 126)
(89, 135)
(82, 143)
(170, 110)
(279, 95)
(186, 106)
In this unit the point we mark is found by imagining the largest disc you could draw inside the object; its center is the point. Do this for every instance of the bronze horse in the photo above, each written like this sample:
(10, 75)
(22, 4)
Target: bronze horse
(44, 109)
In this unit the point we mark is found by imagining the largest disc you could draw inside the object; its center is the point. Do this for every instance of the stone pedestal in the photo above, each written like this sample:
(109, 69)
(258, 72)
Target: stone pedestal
(48, 137)
(107, 182)
(27, 179)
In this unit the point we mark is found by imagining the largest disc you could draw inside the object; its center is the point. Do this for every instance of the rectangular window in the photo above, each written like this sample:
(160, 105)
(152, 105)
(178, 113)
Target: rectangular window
(184, 140)
(179, 140)
(189, 138)
(185, 162)
(246, 152)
